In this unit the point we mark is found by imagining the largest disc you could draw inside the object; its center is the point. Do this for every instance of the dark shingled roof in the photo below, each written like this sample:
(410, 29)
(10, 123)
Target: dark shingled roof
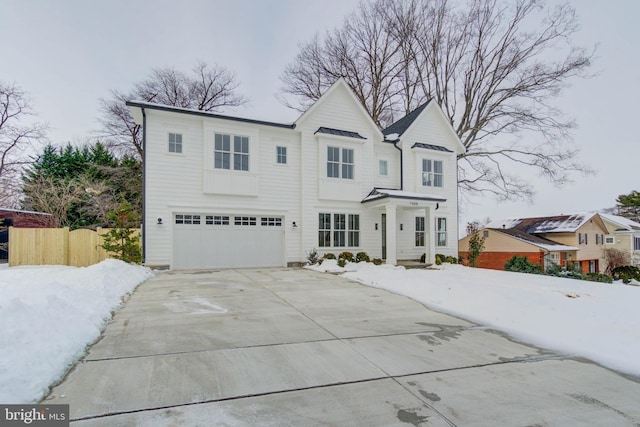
(431, 147)
(403, 124)
(339, 132)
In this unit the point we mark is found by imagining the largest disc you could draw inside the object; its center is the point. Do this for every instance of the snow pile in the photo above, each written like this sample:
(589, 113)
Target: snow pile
(595, 320)
(49, 315)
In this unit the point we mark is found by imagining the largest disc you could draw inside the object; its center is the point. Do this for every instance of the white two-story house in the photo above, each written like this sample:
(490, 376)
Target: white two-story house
(223, 191)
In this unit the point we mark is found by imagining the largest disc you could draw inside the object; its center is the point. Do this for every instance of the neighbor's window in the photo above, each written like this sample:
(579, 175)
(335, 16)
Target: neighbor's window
(582, 239)
(636, 243)
(222, 152)
(175, 142)
(345, 230)
(441, 231)
(432, 175)
(419, 231)
(382, 168)
(609, 240)
(338, 167)
(281, 155)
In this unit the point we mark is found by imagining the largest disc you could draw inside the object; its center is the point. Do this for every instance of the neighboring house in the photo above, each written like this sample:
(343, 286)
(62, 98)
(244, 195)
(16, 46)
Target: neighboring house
(565, 240)
(20, 219)
(624, 234)
(223, 191)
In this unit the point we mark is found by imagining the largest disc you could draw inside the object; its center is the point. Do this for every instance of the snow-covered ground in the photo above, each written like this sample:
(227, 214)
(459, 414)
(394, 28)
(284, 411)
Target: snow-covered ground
(596, 320)
(49, 314)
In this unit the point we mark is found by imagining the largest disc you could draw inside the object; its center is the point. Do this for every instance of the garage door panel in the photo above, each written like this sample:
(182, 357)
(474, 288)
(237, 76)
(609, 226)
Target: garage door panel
(229, 245)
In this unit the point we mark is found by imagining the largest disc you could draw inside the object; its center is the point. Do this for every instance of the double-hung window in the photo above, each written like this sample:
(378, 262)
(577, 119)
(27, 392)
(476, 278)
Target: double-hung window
(281, 155)
(382, 168)
(241, 153)
(441, 231)
(419, 231)
(432, 173)
(582, 239)
(340, 163)
(175, 142)
(338, 230)
(223, 152)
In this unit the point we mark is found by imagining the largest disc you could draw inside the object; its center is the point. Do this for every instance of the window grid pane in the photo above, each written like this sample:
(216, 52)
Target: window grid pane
(419, 238)
(438, 176)
(175, 143)
(441, 231)
(427, 180)
(324, 230)
(333, 162)
(354, 230)
(281, 155)
(382, 168)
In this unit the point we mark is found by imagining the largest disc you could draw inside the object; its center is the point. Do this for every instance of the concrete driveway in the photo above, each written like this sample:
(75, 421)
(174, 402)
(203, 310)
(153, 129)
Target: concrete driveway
(289, 347)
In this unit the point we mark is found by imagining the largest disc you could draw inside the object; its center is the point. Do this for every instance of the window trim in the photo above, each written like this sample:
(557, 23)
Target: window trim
(337, 167)
(341, 227)
(233, 156)
(429, 177)
(281, 154)
(175, 143)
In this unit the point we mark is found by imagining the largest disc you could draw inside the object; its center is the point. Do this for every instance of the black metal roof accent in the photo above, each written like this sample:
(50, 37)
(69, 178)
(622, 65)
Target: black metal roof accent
(339, 132)
(431, 147)
(403, 124)
(377, 195)
(206, 114)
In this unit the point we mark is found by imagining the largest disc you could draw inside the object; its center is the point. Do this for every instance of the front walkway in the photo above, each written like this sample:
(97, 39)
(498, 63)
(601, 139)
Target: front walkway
(276, 347)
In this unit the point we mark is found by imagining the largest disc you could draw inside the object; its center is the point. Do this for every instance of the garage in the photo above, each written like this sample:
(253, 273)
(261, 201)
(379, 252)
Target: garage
(227, 241)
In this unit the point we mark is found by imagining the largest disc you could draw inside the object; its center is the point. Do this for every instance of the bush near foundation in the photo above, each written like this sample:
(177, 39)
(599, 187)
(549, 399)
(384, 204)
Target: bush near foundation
(626, 273)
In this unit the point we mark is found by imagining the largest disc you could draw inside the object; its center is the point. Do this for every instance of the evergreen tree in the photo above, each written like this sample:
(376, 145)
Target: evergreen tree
(122, 241)
(628, 205)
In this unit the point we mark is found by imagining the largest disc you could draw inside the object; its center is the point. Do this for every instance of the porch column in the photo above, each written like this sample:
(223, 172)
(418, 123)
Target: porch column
(430, 237)
(392, 225)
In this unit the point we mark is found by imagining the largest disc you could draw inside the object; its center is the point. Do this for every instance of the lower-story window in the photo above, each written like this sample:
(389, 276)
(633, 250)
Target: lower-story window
(441, 231)
(338, 230)
(419, 231)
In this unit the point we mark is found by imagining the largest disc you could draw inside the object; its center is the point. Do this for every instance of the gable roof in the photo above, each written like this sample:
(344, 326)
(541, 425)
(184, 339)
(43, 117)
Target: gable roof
(170, 108)
(343, 84)
(547, 224)
(404, 123)
(338, 132)
(538, 241)
(622, 222)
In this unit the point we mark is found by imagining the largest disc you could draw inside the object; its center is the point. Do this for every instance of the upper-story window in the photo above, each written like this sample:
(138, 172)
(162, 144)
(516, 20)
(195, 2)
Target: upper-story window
(382, 168)
(583, 239)
(432, 175)
(175, 142)
(340, 163)
(281, 155)
(223, 152)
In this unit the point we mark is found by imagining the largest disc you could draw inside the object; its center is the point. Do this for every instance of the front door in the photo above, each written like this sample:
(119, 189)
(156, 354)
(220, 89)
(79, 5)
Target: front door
(384, 235)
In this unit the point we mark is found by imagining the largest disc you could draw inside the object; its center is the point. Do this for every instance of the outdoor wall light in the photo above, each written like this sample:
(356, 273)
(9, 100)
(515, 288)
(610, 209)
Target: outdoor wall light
(401, 227)
(294, 225)
(159, 221)
(376, 225)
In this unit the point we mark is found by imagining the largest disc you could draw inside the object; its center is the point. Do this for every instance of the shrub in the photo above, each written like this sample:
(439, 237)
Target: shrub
(362, 257)
(626, 273)
(347, 256)
(312, 256)
(597, 277)
(439, 259)
(342, 262)
(377, 261)
(329, 256)
(520, 264)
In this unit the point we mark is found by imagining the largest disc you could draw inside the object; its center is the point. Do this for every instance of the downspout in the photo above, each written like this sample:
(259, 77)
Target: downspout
(401, 162)
(144, 186)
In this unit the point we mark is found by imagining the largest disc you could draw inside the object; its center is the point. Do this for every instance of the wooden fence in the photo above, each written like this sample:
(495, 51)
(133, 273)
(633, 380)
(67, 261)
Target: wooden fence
(53, 246)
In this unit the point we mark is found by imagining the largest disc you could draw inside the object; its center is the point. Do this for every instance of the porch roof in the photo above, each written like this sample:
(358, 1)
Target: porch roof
(383, 193)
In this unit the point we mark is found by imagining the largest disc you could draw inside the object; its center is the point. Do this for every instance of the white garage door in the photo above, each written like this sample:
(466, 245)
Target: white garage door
(226, 241)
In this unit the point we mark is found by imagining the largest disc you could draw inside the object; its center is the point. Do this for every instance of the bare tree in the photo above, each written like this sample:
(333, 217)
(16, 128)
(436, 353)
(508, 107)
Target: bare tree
(494, 66)
(46, 194)
(207, 88)
(17, 135)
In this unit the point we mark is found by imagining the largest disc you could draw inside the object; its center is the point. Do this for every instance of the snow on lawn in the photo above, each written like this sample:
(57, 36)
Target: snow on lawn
(49, 314)
(598, 321)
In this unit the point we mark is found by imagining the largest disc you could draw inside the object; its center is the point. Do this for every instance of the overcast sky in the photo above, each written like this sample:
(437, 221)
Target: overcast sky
(69, 54)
